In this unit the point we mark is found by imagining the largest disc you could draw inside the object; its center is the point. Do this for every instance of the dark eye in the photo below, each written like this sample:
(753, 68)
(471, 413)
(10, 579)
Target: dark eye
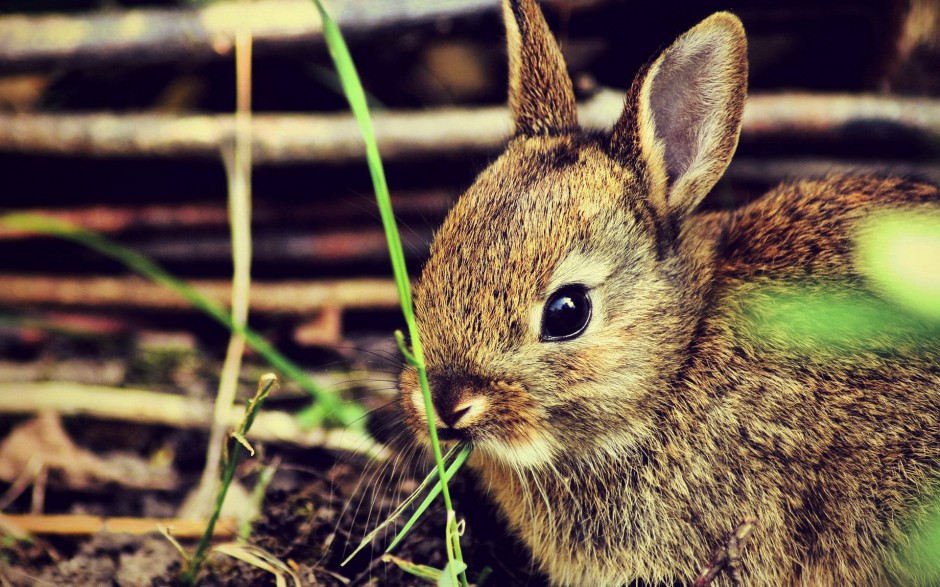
(566, 314)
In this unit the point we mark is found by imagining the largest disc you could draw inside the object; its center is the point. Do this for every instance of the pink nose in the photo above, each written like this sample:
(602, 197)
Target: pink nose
(453, 415)
(454, 394)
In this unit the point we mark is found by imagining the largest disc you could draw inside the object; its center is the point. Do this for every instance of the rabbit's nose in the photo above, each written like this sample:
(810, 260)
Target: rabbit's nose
(453, 417)
(456, 399)
(461, 414)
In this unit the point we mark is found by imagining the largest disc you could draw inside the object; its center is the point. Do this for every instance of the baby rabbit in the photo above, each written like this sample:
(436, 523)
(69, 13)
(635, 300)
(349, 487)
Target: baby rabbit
(587, 331)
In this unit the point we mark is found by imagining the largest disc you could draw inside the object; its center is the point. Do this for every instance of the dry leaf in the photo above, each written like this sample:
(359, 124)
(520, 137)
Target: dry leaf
(44, 438)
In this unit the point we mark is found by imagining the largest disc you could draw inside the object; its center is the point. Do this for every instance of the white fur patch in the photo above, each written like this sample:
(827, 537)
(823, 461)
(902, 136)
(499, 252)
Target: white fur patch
(417, 399)
(529, 454)
(580, 268)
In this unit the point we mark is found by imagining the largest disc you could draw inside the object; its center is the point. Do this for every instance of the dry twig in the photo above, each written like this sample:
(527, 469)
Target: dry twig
(334, 138)
(83, 525)
(153, 35)
(291, 297)
(237, 162)
(145, 407)
(728, 557)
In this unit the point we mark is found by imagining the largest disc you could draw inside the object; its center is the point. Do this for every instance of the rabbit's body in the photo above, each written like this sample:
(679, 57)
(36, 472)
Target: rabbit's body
(625, 441)
(828, 453)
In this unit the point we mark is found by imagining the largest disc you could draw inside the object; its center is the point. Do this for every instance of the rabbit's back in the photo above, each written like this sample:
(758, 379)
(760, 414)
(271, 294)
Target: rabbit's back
(834, 434)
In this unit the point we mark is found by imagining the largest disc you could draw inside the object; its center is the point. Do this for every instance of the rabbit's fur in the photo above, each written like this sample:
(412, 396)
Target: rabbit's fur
(628, 453)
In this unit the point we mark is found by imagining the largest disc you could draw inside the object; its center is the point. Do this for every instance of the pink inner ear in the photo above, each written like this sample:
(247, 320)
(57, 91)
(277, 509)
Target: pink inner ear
(680, 104)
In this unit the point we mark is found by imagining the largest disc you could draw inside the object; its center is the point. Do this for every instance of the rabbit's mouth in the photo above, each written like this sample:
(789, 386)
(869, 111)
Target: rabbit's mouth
(453, 434)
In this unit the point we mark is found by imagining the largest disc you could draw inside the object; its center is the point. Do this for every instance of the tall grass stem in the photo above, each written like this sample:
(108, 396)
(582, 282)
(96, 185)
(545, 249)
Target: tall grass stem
(355, 94)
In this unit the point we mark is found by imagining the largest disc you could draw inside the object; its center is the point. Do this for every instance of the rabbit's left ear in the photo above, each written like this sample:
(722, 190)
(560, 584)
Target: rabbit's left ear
(541, 95)
(683, 114)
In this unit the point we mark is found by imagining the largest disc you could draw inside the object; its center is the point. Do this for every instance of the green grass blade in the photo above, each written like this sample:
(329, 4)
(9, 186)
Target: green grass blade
(330, 403)
(425, 572)
(355, 94)
(400, 509)
(435, 491)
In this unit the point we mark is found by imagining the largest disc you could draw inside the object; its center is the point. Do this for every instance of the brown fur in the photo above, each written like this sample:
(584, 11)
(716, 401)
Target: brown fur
(628, 452)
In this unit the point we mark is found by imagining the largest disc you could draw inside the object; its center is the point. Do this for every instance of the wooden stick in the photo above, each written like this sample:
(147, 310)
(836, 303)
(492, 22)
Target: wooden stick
(237, 161)
(213, 216)
(288, 297)
(83, 525)
(165, 35)
(334, 138)
(147, 407)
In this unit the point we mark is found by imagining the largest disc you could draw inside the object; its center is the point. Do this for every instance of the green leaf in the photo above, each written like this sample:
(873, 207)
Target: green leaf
(451, 570)
(819, 320)
(435, 491)
(421, 571)
(900, 252)
(921, 555)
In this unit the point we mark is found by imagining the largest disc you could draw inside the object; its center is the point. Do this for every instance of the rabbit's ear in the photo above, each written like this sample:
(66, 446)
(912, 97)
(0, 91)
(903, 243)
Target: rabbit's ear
(541, 96)
(683, 113)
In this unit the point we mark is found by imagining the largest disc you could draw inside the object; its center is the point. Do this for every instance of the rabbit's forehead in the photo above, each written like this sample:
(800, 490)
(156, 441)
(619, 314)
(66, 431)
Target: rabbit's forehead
(520, 229)
(525, 216)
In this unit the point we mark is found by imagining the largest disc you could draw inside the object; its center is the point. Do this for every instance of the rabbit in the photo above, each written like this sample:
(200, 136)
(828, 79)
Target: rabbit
(585, 328)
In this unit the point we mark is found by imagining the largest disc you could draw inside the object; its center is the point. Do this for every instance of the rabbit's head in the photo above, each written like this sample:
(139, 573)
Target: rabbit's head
(555, 301)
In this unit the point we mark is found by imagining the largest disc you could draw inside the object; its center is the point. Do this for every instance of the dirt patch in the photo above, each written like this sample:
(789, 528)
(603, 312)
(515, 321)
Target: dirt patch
(315, 513)
(316, 510)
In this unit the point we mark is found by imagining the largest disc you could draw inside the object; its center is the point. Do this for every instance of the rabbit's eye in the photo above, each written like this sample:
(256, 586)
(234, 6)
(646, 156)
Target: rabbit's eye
(566, 314)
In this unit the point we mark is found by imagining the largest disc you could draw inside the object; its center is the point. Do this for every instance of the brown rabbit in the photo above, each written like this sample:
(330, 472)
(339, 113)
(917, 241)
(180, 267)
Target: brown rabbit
(588, 332)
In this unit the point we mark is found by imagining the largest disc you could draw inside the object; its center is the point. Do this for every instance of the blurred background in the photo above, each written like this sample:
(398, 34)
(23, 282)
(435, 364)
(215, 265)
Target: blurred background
(114, 115)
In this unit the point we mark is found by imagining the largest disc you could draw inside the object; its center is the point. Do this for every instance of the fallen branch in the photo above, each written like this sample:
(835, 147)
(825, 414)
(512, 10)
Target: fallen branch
(84, 525)
(213, 216)
(146, 407)
(200, 33)
(728, 557)
(295, 245)
(333, 138)
(288, 297)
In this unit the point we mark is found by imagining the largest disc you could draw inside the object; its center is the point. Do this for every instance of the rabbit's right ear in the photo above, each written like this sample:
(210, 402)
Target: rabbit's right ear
(683, 114)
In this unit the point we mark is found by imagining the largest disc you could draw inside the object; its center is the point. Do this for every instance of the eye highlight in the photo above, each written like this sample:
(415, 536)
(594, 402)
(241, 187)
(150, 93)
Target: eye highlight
(566, 314)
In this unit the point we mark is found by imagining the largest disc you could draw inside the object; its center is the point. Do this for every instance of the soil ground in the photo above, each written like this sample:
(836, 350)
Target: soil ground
(317, 507)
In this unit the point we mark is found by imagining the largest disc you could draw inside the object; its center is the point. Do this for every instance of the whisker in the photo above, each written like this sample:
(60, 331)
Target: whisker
(394, 359)
(374, 410)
